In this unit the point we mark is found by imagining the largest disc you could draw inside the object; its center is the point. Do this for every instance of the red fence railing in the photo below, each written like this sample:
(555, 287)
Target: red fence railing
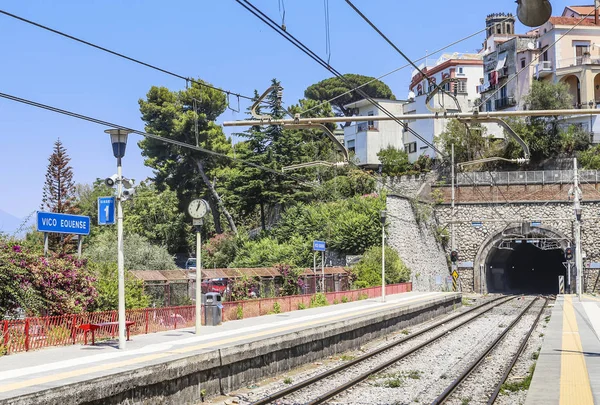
(38, 332)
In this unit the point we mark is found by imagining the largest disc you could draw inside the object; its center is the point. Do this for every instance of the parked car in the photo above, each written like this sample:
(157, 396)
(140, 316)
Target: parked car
(218, 285)
(190, 264)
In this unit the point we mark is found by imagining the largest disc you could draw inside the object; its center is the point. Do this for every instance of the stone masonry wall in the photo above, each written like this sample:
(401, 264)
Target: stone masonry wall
(416, 244)
(469, 239)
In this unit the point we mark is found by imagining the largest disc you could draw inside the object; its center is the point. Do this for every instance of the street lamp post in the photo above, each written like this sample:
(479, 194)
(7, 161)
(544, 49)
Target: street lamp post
(118, 138)
(383, 215)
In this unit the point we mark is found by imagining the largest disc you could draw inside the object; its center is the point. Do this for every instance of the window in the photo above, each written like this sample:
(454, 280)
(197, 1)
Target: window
(503, 92)
(371, 124)
(508, 28)
(410, 147)
(461, 86)
(488, 105)
(461, 71)
(545, 56)
(522, 63)
(498, 29)
(351, 146)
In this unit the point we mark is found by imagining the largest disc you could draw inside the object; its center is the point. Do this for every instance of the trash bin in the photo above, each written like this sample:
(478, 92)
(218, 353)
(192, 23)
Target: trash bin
(213, 308)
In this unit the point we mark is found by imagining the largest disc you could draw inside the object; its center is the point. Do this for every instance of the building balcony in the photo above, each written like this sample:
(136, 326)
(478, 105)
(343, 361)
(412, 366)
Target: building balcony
(360, 127)
(544, 68)
(578, 61)
(504, 102)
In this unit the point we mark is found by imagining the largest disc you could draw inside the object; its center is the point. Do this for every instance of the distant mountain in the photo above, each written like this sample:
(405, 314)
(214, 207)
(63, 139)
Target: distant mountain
(9, 223)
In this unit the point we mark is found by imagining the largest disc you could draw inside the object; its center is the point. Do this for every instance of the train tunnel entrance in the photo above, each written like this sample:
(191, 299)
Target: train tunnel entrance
(528, 263)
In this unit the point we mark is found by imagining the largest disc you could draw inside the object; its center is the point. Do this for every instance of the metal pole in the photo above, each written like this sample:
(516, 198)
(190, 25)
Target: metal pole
(569, 277)
(323, 271)
(198, 279)
(120, 256)
(468, 115)
(79, 246)
(577, 207)
(382, 261)
(452, 235)
(45, 244)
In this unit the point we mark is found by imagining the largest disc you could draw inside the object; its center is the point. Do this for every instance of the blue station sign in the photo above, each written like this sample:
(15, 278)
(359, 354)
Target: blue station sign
(106, 210)
(63, 223)
(319, 246)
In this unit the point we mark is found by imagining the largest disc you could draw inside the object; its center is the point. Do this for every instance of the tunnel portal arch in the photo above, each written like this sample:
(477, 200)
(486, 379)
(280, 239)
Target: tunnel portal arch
(520, 246)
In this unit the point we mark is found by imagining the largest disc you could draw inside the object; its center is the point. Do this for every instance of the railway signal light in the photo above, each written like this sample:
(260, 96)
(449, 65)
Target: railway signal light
(569, 253)
(454, 256)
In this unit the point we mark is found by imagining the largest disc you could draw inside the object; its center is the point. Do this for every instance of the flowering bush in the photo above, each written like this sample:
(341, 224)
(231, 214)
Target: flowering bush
(292, 282)
(54, 285)
(220, 251)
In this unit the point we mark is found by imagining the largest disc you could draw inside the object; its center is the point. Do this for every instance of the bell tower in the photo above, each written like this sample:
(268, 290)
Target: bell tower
(499, 24)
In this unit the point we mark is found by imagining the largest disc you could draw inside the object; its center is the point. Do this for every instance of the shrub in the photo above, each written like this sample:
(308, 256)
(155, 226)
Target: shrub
(301, 305)
(276, 308)
(107, 287)
(220, 251)
(363, 296)
(57, 335)
(239, 311)
(344, 299)
(318, 300)
(335, 302)
(368, 268)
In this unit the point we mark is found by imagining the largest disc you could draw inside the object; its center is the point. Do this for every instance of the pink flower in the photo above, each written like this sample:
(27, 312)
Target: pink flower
(16, 248)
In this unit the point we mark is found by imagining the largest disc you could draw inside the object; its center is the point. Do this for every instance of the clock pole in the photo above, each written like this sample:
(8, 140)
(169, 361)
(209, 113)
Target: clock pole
(198, 224)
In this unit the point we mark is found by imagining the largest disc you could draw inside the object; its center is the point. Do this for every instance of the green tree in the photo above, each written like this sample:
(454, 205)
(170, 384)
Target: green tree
(590, 158)
(107, 283)
(368, 269)
(59, 193)
(468, 145)
(187, 116)
(394, 161)
(139, 253)
(334, 87)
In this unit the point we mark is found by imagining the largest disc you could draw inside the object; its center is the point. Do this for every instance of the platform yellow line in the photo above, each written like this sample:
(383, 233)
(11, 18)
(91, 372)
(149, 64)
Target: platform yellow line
(137, 360)
(574, 380)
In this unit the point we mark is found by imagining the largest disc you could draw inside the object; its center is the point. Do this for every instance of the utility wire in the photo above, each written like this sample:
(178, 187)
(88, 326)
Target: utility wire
(537, 58)
(429, 80)
(399, 68)
(150, 136)
(120, 55)
(272, 24)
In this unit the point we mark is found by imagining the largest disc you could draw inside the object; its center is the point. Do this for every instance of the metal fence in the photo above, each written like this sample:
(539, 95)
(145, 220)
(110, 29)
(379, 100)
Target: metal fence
(524, 177)
(37, 332)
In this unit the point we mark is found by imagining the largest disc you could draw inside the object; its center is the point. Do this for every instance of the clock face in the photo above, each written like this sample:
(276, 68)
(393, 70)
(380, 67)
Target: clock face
(198, 208)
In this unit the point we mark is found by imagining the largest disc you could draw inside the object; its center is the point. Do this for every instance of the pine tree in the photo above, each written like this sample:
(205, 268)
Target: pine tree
(59, 192)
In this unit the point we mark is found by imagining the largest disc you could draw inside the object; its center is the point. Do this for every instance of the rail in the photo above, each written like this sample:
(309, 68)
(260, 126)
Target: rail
(34, 333)
(362, 376)
(525, 177)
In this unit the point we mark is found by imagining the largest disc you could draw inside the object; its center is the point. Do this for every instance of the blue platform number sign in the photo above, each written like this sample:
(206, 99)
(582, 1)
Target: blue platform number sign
(63, 223)
(319, 246)
(106, 210)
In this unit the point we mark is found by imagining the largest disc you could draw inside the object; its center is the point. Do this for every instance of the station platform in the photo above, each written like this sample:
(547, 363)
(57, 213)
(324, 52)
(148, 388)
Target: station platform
(568, 367)
(180, 367)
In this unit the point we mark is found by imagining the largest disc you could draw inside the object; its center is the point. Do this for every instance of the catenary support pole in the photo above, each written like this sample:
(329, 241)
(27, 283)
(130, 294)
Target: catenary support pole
(382, 262)
(577, 209)
(120, 256)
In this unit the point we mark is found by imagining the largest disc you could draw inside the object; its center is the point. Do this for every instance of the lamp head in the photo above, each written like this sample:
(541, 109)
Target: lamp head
(118, 138)
(383, 215)
(533, 13)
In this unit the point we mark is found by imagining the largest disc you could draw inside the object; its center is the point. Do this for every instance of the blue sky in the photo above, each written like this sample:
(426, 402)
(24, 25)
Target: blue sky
(218, 41)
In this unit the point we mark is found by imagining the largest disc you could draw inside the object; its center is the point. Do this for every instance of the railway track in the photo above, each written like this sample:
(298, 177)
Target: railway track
(472, 367)
(465, 318)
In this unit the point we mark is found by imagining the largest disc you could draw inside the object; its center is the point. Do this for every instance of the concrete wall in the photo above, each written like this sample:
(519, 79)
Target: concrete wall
(415, 242)
(220, 371)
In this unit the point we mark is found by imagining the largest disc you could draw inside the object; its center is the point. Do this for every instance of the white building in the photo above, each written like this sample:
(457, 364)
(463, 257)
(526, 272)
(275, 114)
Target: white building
(367, 138)
(468, 70)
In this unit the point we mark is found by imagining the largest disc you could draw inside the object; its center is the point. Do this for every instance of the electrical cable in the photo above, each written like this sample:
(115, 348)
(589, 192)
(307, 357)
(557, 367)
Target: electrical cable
(537, 58)
(381, 34)
(399, 68)
(151, 136)
(120, 55)
(273, 25)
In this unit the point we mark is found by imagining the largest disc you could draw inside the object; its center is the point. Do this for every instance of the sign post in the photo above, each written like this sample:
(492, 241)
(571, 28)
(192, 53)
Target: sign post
(319, 246)
(52, 222)
(454, 280)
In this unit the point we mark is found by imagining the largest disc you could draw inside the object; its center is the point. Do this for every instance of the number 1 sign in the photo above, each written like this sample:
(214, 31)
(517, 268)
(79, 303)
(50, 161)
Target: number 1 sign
(106, 210)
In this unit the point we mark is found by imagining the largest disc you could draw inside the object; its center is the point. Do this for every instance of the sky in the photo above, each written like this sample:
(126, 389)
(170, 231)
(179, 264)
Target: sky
(217, 41)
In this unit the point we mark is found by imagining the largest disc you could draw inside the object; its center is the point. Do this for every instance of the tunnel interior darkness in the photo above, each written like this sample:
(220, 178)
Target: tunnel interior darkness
(524, 269)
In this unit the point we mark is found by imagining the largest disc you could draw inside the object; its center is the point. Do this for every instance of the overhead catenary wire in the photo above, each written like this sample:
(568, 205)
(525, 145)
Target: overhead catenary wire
(273, 25)
(413, 64)
(398, 69)
(151, 136)
(120, 55)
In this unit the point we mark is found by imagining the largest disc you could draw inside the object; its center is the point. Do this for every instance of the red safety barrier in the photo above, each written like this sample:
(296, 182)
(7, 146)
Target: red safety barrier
(37, 332)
